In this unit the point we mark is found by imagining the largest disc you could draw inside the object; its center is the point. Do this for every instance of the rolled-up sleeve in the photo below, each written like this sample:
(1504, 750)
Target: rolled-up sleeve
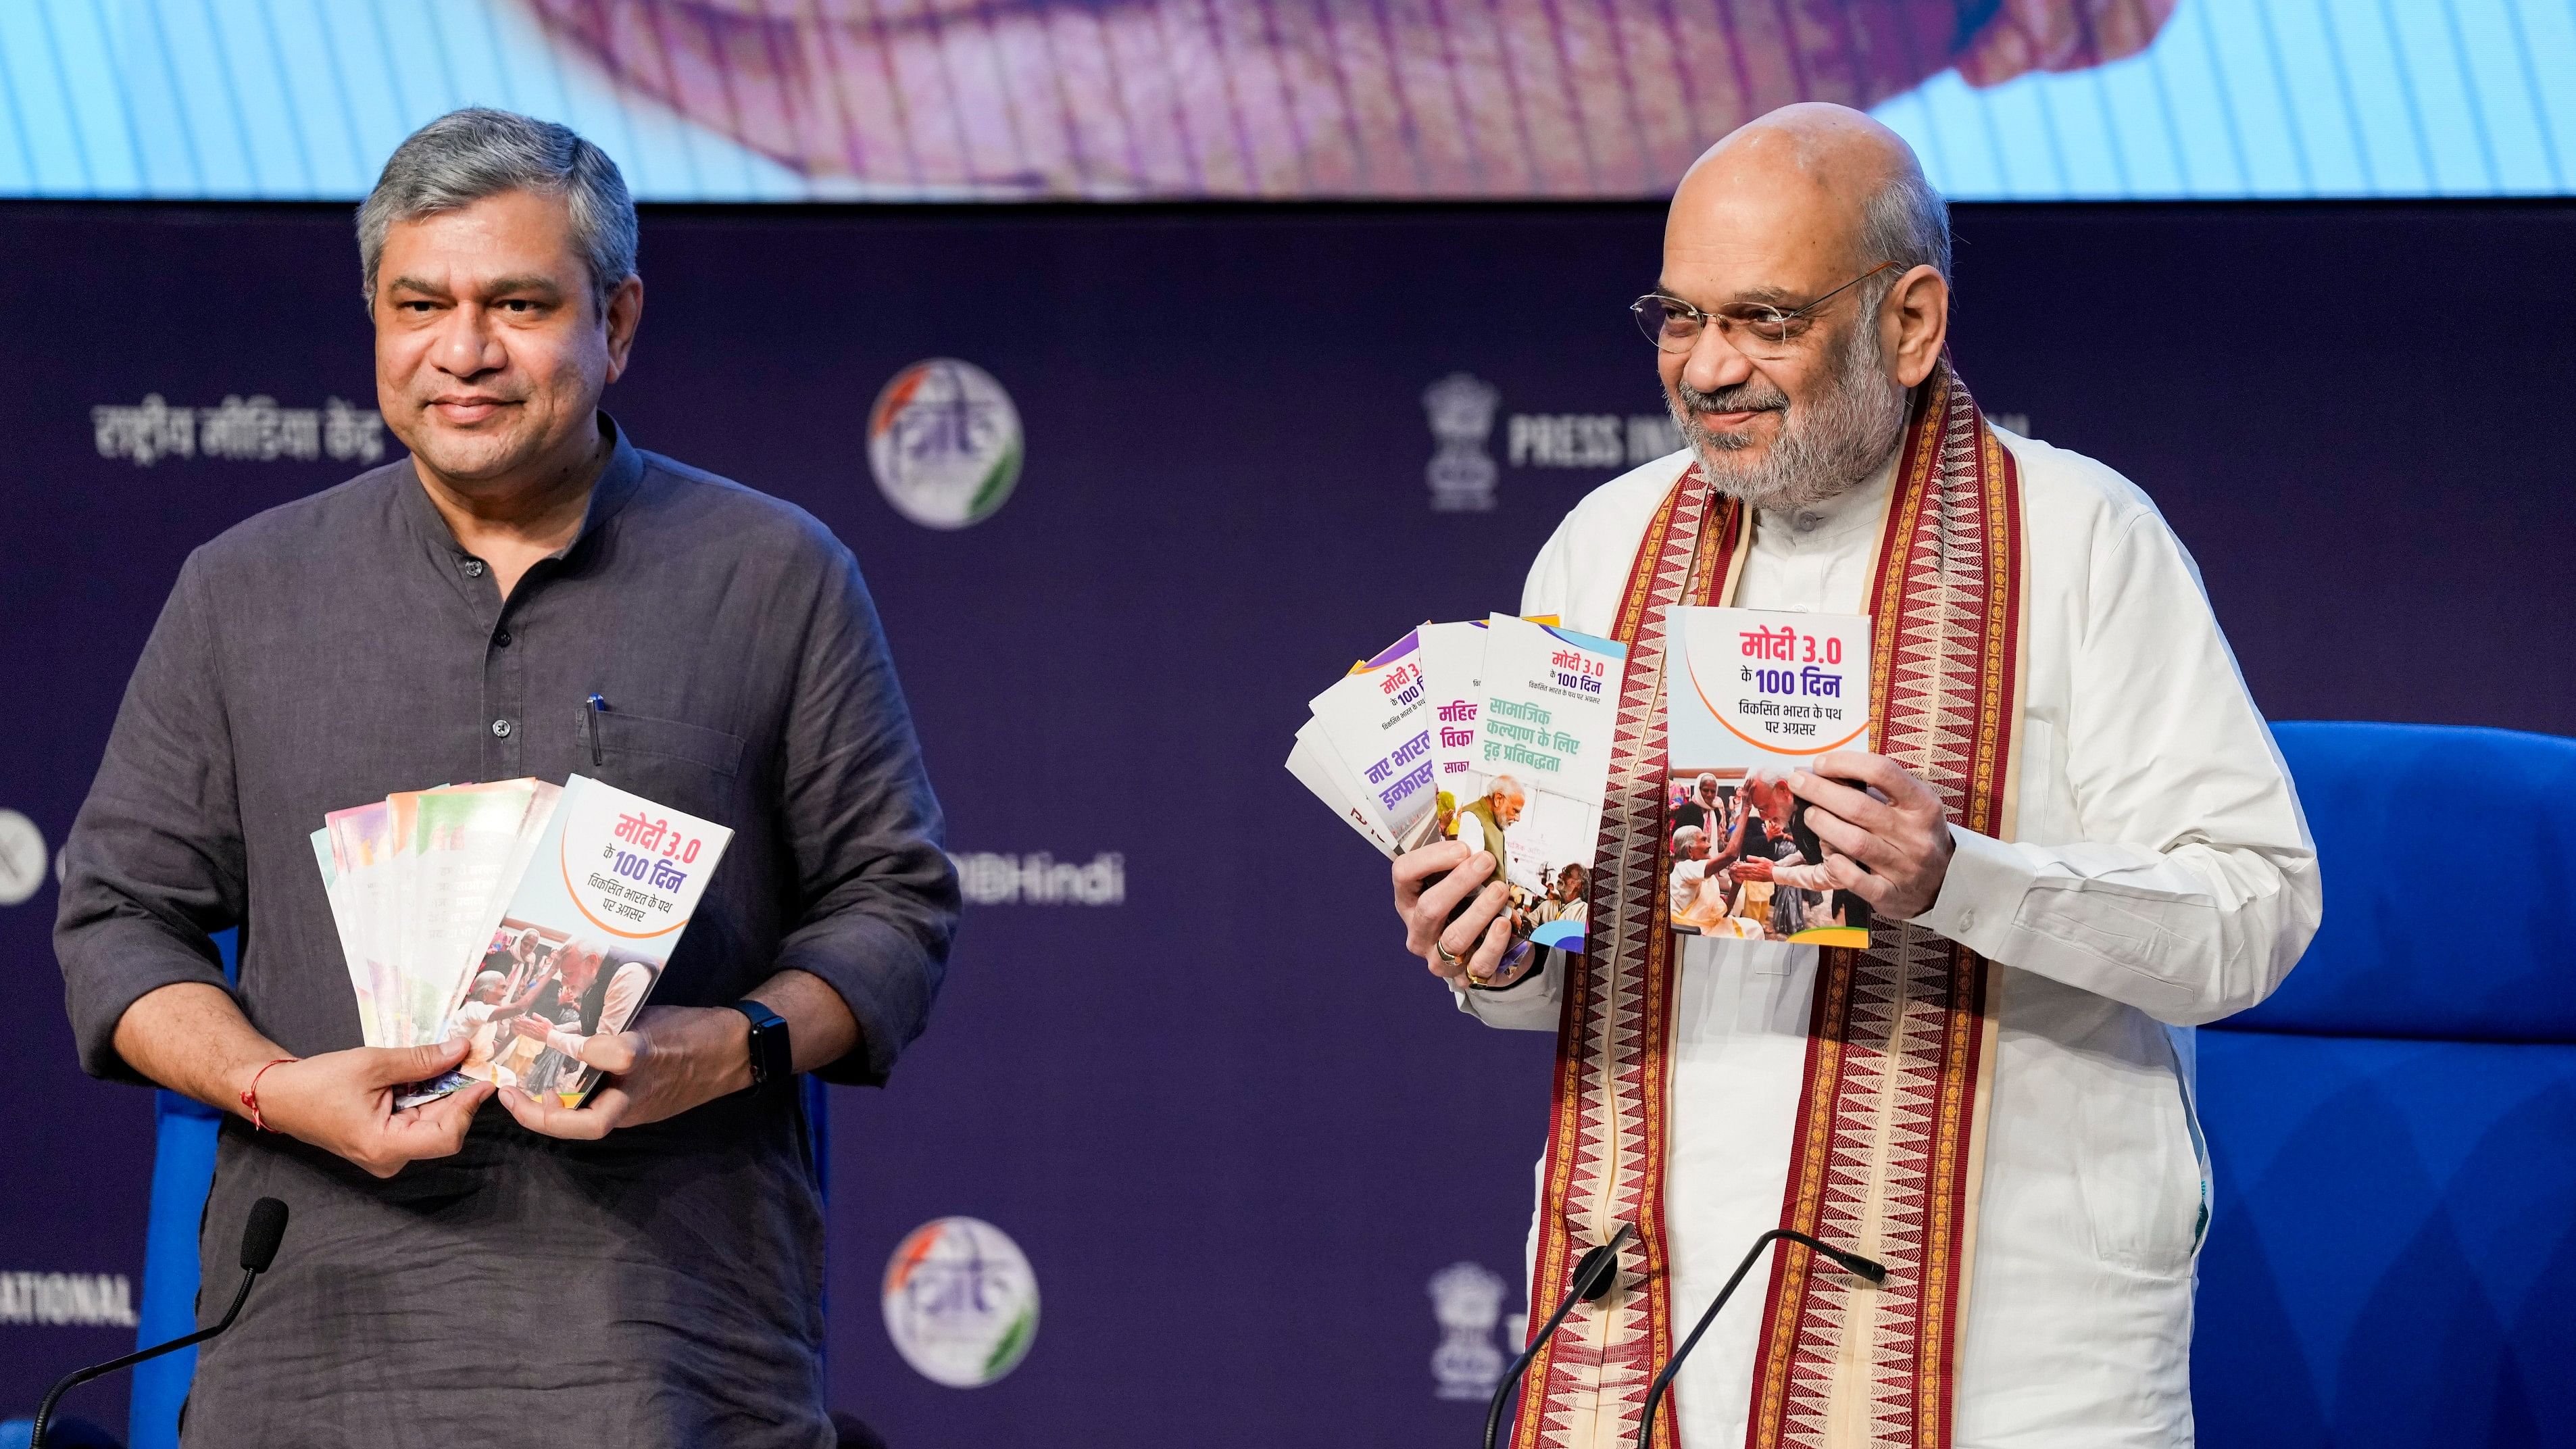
(2193, 887)
(154, 862)
(878, 894)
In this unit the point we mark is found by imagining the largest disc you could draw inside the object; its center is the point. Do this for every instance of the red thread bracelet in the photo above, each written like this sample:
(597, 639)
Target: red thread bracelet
(250, 1094)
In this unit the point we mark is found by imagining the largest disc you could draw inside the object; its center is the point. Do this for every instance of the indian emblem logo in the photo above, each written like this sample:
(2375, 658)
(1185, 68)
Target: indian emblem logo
(960, 1302)
(1467, 1298)
(944, 443)
(1462, 473)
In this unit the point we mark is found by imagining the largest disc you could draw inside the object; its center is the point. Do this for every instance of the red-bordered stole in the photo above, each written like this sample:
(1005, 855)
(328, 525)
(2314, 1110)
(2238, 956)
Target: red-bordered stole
(1888, 1145)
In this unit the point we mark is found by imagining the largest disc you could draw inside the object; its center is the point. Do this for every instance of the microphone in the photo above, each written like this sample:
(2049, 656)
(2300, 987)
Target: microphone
(261, 1233)
(1852, 1263)
(1594, 1272)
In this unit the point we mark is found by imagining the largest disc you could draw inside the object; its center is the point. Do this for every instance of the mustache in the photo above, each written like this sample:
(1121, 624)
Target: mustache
(1753, 395)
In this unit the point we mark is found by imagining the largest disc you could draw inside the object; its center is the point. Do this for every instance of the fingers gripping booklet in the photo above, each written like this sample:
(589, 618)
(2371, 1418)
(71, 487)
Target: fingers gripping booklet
(528, 918)
(1494, 733)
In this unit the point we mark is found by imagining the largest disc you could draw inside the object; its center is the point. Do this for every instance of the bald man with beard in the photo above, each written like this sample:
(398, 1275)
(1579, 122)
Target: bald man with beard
(2077, 837)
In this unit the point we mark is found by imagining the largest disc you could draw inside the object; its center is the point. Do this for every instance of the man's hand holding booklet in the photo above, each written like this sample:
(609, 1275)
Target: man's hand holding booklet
(1495, 735)
(1486, 747)
(529, 920)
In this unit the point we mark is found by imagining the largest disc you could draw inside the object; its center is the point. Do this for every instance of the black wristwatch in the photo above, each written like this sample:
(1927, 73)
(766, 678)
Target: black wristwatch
(773, 1064)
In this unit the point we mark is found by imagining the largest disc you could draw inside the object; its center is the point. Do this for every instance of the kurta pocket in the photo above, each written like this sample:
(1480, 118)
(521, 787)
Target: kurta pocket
(668, 761)
(614, 732)
(2136, 1165)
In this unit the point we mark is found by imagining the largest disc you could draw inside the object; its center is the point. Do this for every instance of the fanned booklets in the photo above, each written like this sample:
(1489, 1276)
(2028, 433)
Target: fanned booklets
(527, 917)
(1493, 732)
(1758, 694)
(1375, 721)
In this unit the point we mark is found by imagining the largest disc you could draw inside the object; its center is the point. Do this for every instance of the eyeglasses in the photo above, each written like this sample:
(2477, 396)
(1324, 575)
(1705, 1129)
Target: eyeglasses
(1674, 325)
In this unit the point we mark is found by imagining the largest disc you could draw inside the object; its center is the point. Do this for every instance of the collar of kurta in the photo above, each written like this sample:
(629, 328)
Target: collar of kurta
(616, 486)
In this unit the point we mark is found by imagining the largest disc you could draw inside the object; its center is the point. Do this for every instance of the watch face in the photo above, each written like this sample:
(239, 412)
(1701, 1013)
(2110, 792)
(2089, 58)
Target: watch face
(771, 1058)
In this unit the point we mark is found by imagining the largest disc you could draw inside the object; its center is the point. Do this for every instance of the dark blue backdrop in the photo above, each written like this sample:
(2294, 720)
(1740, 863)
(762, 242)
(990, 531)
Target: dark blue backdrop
(1234, 1128)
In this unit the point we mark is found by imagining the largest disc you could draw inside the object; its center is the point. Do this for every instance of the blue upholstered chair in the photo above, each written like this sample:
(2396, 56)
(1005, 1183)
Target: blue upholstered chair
(2393, 1260)
(183, 1169)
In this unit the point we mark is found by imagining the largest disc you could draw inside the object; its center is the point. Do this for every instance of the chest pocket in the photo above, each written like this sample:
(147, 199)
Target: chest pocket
(671, 762)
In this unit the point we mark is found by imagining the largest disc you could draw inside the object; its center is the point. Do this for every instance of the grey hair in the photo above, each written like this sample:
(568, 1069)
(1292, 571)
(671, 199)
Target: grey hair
(1906, 222)
(465, 156)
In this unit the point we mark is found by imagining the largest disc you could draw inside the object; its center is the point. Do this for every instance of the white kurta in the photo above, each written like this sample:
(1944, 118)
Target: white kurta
(2163, 876)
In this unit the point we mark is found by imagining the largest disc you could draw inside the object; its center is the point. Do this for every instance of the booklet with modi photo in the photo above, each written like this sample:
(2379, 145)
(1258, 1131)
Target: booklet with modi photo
(1547, 698)
(581, 941)
(1757, 694)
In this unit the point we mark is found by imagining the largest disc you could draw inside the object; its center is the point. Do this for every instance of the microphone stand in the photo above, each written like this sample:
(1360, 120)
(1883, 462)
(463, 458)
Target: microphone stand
(1593, 1275)
(1851, 1262)
(78, 1377)
(261, 1234)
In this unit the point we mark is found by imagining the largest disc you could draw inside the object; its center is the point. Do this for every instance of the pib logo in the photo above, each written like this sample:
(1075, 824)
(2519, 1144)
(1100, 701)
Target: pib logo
(960, 1302)
(944, 443)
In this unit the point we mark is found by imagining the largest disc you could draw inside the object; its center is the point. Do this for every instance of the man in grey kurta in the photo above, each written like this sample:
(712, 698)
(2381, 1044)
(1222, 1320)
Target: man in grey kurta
(659, 1285)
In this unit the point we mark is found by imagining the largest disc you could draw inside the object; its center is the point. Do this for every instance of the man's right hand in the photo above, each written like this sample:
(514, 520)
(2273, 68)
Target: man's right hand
(1474, 943)
(343, 1103)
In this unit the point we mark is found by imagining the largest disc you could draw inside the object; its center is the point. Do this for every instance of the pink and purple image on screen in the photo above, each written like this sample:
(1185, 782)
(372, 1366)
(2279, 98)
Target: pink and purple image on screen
(1324, 98)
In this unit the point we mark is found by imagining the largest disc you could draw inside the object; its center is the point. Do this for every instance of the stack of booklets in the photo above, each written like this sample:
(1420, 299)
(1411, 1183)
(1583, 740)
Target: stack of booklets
(525, 916)
(1494, 732)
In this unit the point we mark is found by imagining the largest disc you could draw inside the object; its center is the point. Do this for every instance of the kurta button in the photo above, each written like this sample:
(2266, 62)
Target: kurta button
(502, 638)
(474, 568)
(1967, 919)
(501, 728)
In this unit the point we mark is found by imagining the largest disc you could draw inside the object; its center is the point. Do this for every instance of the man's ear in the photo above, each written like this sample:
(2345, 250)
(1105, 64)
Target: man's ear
(1914, 324)
(625, 314)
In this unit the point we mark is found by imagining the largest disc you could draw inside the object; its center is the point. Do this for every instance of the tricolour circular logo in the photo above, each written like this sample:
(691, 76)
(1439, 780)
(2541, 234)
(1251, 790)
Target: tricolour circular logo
(22, 857)
(944, 443)
(960, 1302)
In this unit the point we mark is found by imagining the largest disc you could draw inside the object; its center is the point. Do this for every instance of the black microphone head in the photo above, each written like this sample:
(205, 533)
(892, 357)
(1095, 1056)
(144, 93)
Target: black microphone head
(1874, 1271)
(1596, 1272)
(261, 1234)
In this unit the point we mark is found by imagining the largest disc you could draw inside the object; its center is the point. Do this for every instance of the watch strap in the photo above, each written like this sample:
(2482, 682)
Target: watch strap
(773, 1062)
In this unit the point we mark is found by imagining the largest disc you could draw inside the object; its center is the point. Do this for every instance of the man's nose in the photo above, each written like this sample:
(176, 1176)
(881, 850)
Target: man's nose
(1713, 362)
(468, 345)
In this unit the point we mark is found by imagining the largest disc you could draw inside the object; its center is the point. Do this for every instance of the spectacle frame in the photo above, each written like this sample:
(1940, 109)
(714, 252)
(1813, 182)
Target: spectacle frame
(1674, 325)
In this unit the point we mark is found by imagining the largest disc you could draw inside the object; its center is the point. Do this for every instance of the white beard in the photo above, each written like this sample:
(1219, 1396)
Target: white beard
(1826, 447)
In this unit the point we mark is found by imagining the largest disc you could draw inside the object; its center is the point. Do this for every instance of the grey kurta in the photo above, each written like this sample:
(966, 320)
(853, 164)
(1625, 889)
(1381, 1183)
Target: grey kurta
(658, 1288)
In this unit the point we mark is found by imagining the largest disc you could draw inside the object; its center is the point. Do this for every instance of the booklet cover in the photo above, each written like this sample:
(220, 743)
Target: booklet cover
(1377, 719)
(362, 840)
(1548, 700)
(604, 897)
(1453, 667)
(1324, 775)
(1756, 694)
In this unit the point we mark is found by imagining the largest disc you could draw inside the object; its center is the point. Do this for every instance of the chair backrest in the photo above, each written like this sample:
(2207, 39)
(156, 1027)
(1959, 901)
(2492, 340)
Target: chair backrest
(2394, 1132)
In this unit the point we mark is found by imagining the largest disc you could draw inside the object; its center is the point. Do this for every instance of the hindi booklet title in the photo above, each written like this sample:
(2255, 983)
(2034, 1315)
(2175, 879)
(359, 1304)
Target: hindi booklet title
(1751, 696)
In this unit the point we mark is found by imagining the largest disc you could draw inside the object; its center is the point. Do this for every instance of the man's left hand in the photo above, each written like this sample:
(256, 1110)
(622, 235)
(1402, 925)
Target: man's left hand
(1904, 840)
(674, 1058)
